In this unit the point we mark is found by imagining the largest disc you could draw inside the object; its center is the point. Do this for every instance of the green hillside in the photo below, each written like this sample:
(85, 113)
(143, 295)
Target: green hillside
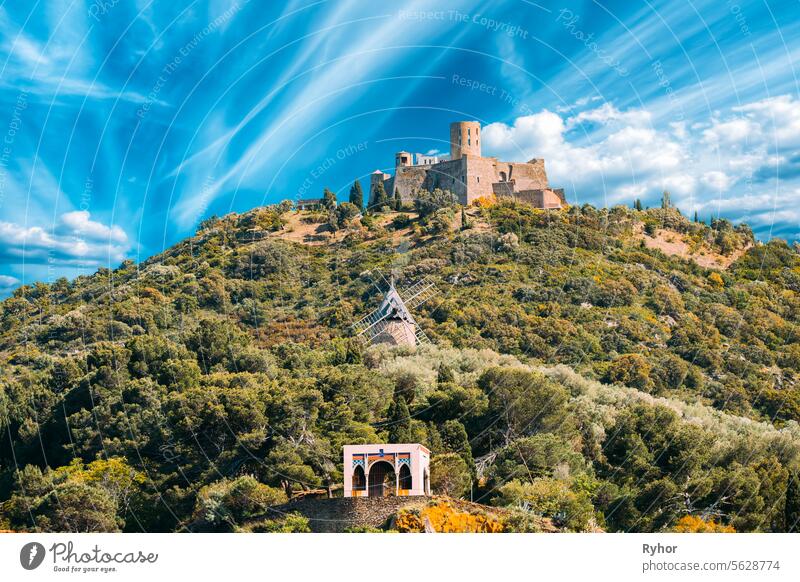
(578, 372)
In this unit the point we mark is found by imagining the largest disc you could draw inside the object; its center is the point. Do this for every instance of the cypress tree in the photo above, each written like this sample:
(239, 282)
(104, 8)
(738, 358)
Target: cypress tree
(381, 199)
(456, 440)
(399, 420)
(357, 195)
(398, 202)
(444, 374)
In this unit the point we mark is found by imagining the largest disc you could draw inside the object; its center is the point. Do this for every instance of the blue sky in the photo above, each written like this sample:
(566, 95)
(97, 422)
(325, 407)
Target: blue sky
(124, 123)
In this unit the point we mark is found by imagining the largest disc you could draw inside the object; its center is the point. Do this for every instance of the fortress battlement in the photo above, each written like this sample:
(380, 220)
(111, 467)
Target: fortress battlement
(467, 174)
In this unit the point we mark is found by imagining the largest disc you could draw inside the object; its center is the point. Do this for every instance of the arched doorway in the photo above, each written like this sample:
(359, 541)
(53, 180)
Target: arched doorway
(382, 480)
(404, 478)
(359, 480)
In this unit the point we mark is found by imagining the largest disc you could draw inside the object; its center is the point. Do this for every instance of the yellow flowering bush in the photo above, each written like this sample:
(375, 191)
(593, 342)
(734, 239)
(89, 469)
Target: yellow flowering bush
(694, 524)
(444, 518)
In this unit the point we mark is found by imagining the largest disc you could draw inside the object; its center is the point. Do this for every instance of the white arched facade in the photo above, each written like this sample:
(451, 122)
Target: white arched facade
(410, 463)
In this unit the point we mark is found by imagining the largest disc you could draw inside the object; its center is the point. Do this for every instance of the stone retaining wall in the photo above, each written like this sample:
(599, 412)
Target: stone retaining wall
(337, 514)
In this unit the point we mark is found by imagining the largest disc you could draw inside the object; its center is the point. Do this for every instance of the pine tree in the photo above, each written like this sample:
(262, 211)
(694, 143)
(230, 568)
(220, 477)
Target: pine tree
(328, 199)
(357, 195)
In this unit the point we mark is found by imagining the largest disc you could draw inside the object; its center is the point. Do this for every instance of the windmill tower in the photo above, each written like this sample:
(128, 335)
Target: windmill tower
(392, 322)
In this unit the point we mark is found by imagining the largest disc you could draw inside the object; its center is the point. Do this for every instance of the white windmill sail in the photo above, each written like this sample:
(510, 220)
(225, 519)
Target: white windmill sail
(392, 321)
(419, 293)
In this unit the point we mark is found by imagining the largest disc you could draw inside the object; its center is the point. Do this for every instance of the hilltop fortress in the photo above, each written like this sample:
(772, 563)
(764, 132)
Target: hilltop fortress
(468, 174)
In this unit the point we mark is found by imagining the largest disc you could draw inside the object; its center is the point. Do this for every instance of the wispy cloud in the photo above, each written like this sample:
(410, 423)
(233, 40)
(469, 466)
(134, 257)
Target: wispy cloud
(59, 67)
(318, 101)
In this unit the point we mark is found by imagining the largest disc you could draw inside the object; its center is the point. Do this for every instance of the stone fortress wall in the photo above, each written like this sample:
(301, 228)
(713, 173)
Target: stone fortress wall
(407, 180)
(468, 174)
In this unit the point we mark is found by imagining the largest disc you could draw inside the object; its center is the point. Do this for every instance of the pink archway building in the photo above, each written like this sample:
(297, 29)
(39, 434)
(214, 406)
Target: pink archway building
(381, 470)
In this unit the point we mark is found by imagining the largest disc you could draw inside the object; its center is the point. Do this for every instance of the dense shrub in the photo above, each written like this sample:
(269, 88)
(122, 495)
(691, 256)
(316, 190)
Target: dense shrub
(226, 371)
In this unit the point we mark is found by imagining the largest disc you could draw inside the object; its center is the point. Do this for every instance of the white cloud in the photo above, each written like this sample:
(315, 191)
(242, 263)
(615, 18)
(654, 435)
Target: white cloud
(607, 113)
(78, 223)
(75, 240)
(680, 185)
(626, 157)
(731, 132)
(679, 129)
(772, 123)
(717, 180)
(778, 119)
(608, 156)
(6, 282)
(540, 132)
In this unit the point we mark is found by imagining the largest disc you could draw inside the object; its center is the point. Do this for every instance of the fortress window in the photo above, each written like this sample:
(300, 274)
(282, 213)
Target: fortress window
(479, 179)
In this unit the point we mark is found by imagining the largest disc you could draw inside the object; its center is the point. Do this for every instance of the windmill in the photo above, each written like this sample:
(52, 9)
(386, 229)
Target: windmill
(392, 322)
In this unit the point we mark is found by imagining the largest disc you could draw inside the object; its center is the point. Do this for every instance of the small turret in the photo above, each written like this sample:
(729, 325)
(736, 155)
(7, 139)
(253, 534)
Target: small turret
(403, 159)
